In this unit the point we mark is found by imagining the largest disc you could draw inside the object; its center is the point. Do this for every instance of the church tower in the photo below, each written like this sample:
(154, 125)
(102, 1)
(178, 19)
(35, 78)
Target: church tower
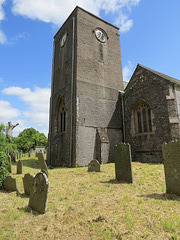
(85, 116)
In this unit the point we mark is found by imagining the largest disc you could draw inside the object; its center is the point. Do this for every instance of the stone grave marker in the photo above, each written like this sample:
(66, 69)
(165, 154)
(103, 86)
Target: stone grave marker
(28, 183)
(39, 195)
(94, 166)
(42, 163)
(19, 167)
(9, 165)
(123, 169)
(29, 154)
(10, 184)
(171, 156)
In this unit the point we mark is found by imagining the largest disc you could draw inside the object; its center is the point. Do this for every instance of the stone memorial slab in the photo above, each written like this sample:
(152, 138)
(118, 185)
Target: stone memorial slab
(94, 166)
(9, 165)
(42, 163)
(39, 195)
(19, 167)
(171, 156)
(10, 184)
(123, 169)
(28, 183)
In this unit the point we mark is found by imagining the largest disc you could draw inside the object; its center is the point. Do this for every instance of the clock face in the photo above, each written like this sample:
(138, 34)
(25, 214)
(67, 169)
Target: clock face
(63, 39)
(100, 35)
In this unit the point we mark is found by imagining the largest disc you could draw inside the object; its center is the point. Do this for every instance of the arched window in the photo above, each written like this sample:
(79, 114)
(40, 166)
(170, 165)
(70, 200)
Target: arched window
(101, 52)
(141, 118)
(60, 119)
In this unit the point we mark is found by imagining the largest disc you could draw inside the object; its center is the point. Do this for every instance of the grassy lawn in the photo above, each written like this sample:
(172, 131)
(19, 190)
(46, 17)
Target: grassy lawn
(83, 205)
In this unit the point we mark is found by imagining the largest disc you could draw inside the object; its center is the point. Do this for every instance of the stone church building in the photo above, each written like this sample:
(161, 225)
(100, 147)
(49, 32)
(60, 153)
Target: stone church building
(91, 112)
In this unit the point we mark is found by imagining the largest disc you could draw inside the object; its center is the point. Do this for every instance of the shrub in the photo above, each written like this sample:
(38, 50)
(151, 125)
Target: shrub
(3, 167)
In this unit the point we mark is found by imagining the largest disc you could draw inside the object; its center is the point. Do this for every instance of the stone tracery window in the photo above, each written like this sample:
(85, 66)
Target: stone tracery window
(142, 118)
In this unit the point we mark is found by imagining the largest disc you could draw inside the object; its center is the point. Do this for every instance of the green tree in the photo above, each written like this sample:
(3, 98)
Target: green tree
(29, 138)
(4, 144)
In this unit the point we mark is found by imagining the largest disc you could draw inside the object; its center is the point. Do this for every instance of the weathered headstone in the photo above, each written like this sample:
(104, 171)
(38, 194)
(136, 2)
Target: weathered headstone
(29, 154)
(13, 157)
(42, 163)
(123, 169)
(39, 195)
(9, 165)
(28, 183)
(171, 156)
(19, 167)
(10, 184)
(94, 166)
(19, 155)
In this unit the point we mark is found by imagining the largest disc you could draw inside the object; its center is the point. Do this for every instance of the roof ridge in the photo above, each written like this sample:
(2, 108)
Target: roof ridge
(171, 79)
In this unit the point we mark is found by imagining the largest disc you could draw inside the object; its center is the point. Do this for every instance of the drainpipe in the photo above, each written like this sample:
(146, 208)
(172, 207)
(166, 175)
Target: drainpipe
(72, 94)
(122, 105)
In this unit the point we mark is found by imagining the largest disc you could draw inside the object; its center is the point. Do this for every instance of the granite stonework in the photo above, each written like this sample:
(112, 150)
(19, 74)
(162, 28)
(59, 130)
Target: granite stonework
(39, 195)
(94, 166)
(123, 168)
(19, 167)
(10, 184)
(42, 162)
(28, 183)
(171, 155)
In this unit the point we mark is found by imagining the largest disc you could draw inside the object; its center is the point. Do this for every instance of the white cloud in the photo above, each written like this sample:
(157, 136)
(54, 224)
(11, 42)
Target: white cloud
(1, 10)
(7, 112)
(127, 71)
(36, 114)
(56, 11)
(3, 38)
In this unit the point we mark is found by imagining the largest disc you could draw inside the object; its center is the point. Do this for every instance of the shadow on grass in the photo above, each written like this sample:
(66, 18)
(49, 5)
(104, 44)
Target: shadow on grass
(162, 196)
(31, 162)
(114, 181)
(29, 210)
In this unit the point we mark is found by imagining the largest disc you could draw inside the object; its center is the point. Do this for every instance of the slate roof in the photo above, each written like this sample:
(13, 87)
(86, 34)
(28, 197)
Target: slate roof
(173, 80)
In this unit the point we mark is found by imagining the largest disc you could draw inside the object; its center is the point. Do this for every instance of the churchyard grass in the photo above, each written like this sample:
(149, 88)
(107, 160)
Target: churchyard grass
(91, 205)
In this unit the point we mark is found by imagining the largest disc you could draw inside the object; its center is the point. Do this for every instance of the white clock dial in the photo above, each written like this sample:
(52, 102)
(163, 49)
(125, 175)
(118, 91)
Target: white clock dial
(63, 39)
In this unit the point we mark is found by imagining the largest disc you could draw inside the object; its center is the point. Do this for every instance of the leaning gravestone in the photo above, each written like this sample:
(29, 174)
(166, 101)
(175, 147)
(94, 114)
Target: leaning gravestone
(10, 184)
(171, 156)
(9, 165)
(28, 183)
(39, 195)
(19, 167)
(123, 169)
(42, 163)
(94, 166)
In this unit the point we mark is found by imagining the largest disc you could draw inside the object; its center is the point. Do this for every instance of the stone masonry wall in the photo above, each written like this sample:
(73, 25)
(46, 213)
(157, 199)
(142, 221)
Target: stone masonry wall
(152, 89)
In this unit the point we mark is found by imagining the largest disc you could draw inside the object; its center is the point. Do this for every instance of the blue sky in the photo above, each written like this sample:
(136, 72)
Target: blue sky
(149, 35)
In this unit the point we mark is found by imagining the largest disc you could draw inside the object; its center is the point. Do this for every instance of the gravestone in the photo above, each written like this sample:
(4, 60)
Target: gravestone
(19, 167)
(171, 156)
(94, 166)
(123, 169)
(28, 183)
(13, 157)
(42, 163)
(20, 155)
(10, 184)
(39, 195)
(29, 154)
(9, 165)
